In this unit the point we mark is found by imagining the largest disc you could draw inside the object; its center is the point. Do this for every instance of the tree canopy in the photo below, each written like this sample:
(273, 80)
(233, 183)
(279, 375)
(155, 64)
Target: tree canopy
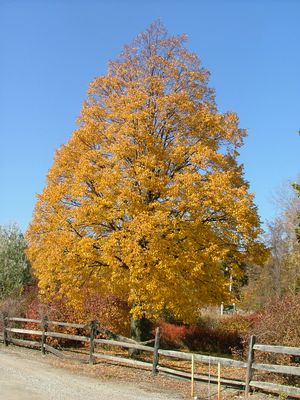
(14, 266)
(147, 197)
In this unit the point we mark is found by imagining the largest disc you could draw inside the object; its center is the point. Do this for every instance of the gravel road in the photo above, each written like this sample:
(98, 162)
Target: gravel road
(25, 377)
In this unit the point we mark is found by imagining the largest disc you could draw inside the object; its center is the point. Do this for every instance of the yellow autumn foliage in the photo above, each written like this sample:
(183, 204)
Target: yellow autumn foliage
(147, 198)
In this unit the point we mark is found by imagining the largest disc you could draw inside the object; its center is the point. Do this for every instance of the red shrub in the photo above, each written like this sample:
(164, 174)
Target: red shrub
(172, 336)
(111, 312)
(198, 338)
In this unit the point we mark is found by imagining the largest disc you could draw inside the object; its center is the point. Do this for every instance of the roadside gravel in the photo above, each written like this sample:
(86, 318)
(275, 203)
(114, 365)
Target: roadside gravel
(25, 376)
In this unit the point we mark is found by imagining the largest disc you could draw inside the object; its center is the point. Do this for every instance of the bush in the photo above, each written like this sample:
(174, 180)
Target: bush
(111, 312)
(278, 323)
(235, 323)
(199, 338)
(17, 304)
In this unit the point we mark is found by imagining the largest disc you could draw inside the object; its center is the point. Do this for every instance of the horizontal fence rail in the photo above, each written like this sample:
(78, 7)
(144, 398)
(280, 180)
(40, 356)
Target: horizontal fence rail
(24, 331)
(272, 368)
(124, 344)
(294, 351)
(152, 346)
(202, 358)
(39, 321)
(279, 369)
(123, 360)
(25, 343)
(276, 388)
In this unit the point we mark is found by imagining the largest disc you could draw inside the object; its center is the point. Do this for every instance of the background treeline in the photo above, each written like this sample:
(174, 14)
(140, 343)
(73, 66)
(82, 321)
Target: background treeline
(280, 275)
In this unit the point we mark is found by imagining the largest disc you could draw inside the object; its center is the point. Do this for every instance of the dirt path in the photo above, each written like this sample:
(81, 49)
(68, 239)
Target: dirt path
(26, 377)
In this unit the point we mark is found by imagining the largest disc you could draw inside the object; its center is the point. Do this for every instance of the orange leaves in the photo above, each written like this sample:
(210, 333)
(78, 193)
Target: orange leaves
(147, 198)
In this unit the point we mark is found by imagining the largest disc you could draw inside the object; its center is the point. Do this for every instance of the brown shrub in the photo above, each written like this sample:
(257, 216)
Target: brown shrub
(278, 323)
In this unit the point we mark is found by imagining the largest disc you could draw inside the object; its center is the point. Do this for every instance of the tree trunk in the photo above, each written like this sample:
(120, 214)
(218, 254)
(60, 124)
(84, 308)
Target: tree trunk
(139, 331)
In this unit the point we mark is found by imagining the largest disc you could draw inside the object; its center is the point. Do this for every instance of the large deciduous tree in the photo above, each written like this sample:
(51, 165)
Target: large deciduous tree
(147, 198)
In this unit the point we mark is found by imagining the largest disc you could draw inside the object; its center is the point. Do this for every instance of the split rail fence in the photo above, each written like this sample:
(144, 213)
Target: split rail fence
(10, 331)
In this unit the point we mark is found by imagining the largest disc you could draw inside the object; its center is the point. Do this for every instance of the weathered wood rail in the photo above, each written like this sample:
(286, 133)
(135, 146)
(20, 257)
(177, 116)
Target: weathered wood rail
(292, 391)
(9, 332)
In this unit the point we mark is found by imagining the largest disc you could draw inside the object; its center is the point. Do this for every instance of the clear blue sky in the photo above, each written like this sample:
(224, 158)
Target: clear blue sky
(51, 49)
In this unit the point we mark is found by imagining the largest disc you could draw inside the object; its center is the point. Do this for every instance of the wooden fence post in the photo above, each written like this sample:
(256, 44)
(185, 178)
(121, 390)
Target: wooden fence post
(44, 330)
(155, 353)
(219, 381)
(5, 323)
(93, 334)
(192, 377)
(249, 365)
